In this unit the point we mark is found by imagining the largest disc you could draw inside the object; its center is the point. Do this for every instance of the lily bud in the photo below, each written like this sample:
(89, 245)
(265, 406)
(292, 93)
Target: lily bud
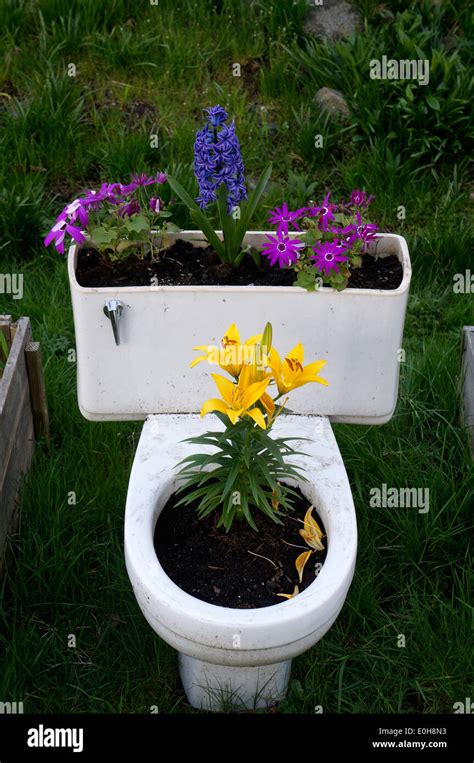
(266, 341)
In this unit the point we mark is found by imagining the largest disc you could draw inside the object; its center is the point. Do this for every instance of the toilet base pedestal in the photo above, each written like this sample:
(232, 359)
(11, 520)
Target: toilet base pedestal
(222, 687)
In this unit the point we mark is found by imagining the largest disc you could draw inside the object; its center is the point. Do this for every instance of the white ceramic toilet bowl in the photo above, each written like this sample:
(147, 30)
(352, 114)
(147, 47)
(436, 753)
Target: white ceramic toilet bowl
(242, 656)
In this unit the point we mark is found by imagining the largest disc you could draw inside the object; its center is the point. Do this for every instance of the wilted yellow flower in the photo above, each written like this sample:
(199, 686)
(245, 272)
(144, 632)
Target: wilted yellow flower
(312, 533)
(296, 591)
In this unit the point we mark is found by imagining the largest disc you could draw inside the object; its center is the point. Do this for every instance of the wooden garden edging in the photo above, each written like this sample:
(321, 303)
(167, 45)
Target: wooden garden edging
(23, 416)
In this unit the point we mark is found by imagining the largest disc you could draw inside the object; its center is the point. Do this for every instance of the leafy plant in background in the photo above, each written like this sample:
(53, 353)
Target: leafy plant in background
(3, 353)
(249, 466)
(430, 124)
(219, 170)
(115, 218)
(330, 240)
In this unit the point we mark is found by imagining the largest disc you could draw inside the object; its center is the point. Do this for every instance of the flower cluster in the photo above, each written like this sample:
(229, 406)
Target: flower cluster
(251, 465)
(102, 213)
(219, 170)
(326, 239)
(217, 160)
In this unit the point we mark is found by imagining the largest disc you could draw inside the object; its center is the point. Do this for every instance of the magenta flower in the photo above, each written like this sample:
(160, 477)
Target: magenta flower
(324, 212)
(161, 178)
(364, 231)
(75, 211)
(328, 255)
(58, 233)
(142, 180)
(281, 249)
(106, 192)
(283, 218)
(132, 207)
(155, 204)
(360, 199)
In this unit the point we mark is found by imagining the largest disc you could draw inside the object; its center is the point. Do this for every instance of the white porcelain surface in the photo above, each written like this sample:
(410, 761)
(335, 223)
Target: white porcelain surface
(227, 637)
(358, 332)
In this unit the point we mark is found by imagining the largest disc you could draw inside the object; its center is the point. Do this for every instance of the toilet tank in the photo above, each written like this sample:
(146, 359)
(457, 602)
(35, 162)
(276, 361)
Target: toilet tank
(359, 332)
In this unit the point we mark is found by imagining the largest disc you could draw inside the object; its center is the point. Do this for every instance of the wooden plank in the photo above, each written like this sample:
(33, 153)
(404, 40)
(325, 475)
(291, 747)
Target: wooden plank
(39, 404)
(16, 356)
(9, 436)
(19, 463)
(14, 385)
(16, 424)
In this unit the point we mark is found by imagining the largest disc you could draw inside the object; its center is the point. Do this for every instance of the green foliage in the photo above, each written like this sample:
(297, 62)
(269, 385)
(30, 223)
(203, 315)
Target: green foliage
(431, 123)
(3, 353)
(114, 236)
(249, 469)
(233, 229)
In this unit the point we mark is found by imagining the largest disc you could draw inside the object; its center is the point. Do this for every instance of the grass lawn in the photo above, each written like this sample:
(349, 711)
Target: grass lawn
(142, 70)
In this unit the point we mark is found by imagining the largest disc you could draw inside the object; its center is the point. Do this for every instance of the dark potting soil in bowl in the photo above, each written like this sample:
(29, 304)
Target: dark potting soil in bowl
(242, 568)
(186, 265)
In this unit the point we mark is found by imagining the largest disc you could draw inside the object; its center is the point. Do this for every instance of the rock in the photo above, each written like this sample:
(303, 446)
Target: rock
(332, 101)
(333, 20)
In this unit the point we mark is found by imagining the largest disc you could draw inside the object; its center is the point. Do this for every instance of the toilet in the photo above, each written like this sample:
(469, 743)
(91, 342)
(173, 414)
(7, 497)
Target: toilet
(238, 657)
(134, 348)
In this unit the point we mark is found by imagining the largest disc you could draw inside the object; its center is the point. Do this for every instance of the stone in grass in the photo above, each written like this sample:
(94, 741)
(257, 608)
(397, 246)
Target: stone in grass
(332, 102)
(332, 20)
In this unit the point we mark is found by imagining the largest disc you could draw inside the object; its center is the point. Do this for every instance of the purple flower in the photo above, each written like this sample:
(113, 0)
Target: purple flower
(217, 115)
(364, 231)
(324, 212)
(328, 255)
(75, 211)
(161, 178)
(217, 160)
(360, 199)
(142, 180)
(281, 249)
(58, 233)
(283, 218)
(155, 204)
(130, 208)
(106, 192)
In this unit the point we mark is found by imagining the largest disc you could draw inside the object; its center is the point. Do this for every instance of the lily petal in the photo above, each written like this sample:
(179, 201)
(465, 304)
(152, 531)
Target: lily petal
(257, 415)
(255, 392)
(225, 387)
(214, 404)
(300, 563)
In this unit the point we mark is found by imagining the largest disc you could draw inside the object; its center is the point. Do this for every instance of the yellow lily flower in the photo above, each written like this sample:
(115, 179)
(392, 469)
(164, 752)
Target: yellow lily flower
(238, 399)
(232, 354)
(291, 373)
(224, 356)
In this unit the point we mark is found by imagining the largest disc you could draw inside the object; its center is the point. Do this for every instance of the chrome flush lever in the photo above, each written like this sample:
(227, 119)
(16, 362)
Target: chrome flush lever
(113, 309)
